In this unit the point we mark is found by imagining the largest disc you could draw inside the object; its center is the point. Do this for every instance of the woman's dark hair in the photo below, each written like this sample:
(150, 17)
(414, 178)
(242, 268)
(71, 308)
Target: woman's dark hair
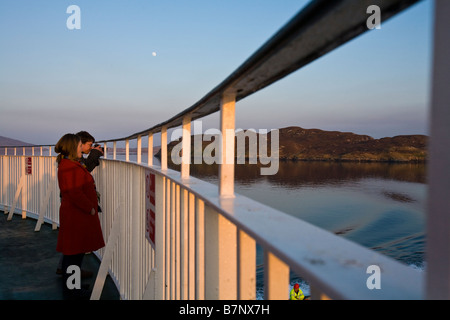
(67, 147)
(85, 137)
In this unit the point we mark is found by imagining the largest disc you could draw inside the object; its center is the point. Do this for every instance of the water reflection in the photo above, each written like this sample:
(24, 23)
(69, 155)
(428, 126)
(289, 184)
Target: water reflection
(378, 205)
(296, 174)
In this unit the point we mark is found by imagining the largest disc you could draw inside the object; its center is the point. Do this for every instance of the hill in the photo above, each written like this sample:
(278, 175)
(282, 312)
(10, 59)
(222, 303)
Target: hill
(313, 144)
(8, 142)
(298, 144)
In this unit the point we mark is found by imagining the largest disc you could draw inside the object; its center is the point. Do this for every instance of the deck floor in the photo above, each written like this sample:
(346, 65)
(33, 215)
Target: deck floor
(28, 262)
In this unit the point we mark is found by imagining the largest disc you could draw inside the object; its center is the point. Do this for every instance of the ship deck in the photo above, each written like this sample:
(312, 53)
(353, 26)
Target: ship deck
(28, 263)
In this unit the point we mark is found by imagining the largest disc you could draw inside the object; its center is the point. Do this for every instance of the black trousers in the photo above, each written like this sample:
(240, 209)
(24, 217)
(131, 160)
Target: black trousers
(67, 261)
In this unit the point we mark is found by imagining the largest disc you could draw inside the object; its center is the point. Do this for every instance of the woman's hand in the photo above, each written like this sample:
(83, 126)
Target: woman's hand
(92, 211)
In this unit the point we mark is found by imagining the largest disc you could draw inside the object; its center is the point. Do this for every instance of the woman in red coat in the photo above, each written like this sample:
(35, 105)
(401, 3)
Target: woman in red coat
(80, 229)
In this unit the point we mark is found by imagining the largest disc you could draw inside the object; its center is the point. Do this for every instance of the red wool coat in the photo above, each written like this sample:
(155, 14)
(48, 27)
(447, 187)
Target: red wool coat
(79, 231)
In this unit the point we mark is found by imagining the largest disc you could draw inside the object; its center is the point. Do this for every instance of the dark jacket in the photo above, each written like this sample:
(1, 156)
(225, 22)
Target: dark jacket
(92, 160)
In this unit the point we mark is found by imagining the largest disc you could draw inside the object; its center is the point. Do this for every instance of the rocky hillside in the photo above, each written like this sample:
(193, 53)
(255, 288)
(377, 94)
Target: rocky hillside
(298, 144)
(313, 144)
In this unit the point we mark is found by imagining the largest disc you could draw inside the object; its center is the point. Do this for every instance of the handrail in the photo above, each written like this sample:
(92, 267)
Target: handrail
(332, 265)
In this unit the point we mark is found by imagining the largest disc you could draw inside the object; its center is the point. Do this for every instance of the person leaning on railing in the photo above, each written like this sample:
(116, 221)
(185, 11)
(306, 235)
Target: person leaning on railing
(80, 229)
(94, 152)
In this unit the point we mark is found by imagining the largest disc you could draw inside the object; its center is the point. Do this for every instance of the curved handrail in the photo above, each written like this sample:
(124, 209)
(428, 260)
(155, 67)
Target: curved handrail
(330, 263)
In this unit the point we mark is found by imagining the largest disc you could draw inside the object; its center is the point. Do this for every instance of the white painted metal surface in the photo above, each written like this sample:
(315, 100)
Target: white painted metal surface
(35, 195)
(438, 217)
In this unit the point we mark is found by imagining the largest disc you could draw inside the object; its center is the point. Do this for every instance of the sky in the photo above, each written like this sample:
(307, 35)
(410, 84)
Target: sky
(136, 63)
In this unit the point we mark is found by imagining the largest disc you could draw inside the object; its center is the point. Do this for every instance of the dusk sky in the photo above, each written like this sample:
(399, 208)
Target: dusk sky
(136, 63)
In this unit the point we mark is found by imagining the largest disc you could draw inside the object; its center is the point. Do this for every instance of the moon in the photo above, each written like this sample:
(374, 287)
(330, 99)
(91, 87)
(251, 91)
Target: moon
(154, 53)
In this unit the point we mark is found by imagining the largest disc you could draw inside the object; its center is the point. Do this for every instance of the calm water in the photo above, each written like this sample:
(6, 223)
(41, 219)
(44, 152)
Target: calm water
(378, 205)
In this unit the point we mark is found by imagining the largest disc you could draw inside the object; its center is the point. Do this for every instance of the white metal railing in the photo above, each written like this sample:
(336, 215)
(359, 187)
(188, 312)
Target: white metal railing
(30, 192)
(205, 243)
(205, 239)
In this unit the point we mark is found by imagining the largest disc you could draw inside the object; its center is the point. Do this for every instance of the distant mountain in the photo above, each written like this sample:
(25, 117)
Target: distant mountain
(8, 142)
(313, 144)
(298, 144)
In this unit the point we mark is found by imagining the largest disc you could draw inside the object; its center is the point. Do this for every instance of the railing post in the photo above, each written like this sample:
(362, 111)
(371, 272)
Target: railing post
(246, 267)
(167, 221)
(25, 193)
(191, 246)
(220, 257)
(184, 240)
(124, 228)
(276, 278)
(177, 208)
(438, 216)
(138, 189)
(150, 150)
(199, 249)
(172, 241)
(5, 182)
(160, 195)
(164, 148)
(139, 149)
(227, 127)
(127, 150)
(186, 147)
